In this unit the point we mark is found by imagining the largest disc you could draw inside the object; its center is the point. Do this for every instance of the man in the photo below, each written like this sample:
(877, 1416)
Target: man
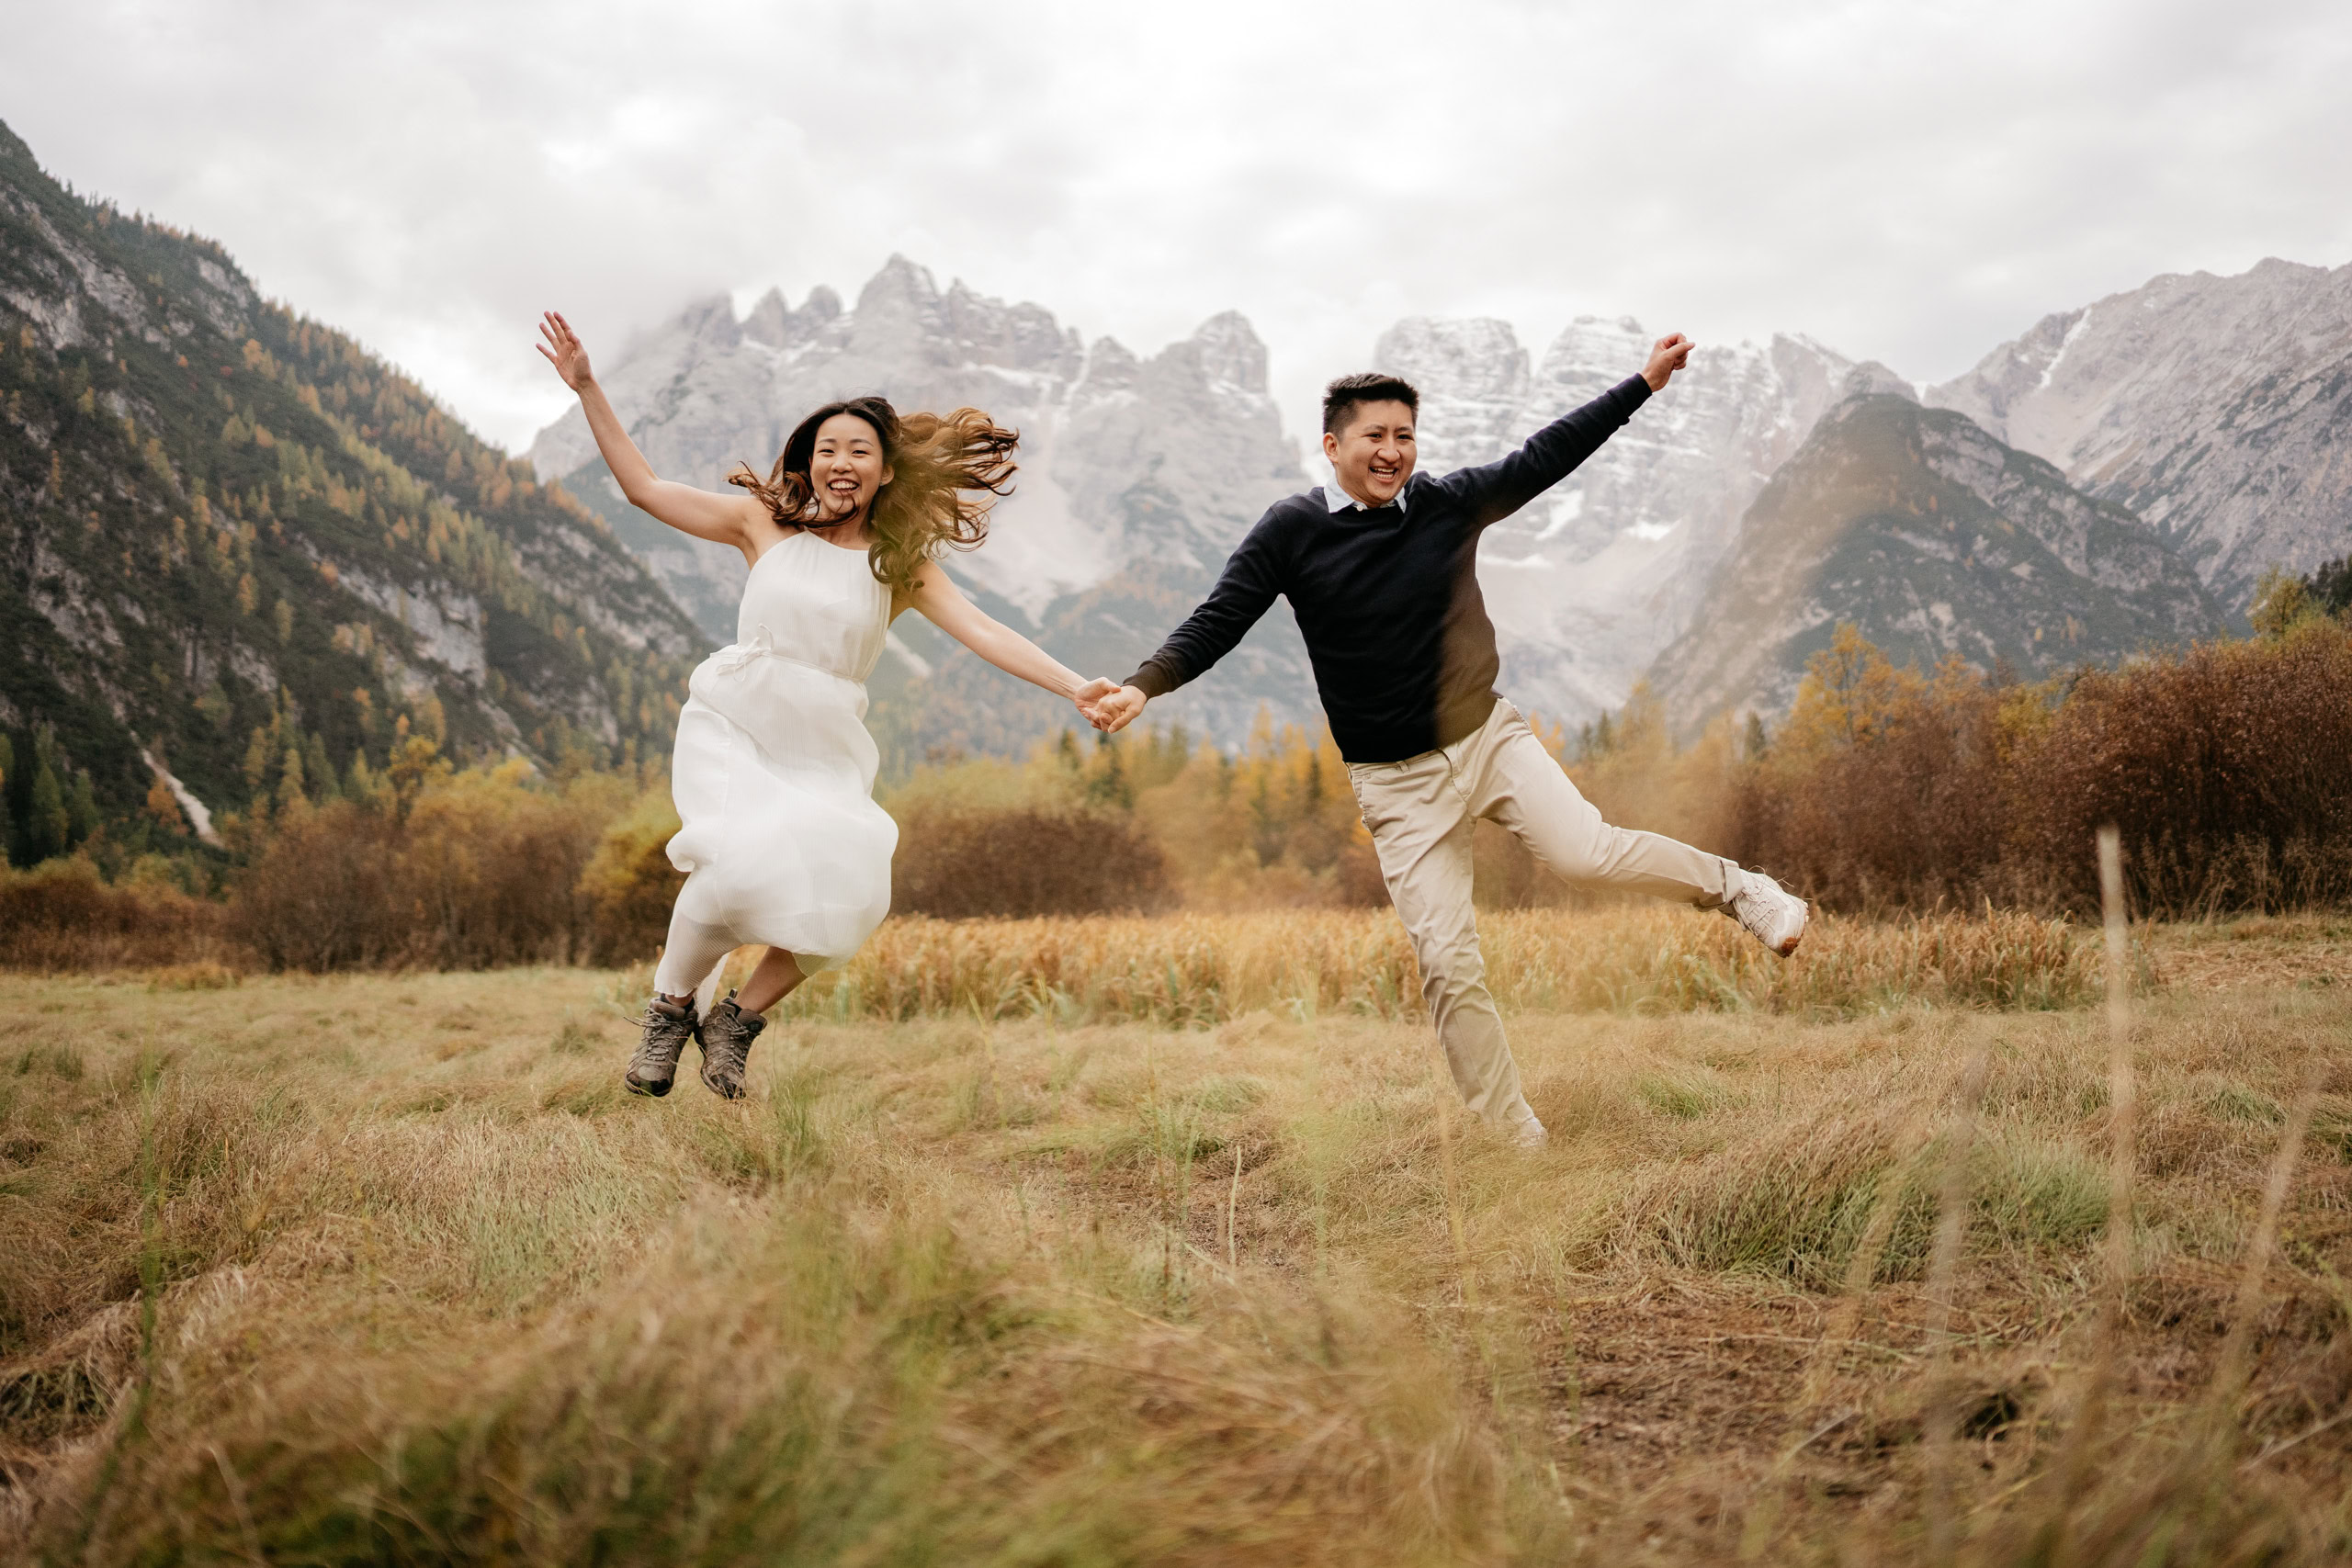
(1381, 568)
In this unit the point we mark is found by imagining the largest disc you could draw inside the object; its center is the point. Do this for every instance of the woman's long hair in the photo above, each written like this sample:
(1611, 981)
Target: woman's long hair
(946, 473)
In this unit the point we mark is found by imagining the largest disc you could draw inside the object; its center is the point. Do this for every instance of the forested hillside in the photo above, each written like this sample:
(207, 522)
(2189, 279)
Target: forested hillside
(240, 549)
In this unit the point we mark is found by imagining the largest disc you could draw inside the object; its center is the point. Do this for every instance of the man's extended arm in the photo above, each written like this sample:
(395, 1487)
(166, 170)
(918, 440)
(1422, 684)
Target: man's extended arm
(1502, 487)
(1244, 591)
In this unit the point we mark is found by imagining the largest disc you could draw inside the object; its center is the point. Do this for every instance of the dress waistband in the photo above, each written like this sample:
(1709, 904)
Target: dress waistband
(739, 655)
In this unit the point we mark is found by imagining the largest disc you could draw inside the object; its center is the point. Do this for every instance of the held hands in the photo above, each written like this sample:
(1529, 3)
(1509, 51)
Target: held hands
(565, 350)
(1089, 696)
(1116, 709)
(1669, 354)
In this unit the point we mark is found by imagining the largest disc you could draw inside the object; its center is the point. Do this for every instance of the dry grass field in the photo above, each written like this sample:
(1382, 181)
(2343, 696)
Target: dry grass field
(1172, 1258)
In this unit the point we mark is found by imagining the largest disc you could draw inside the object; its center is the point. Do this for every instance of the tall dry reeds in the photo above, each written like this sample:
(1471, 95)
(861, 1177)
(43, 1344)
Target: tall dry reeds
(1192, 969)
(1018, 1292)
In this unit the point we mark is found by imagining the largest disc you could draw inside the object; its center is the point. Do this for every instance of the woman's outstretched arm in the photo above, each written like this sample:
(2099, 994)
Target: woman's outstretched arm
(943, 605)
(728, 519)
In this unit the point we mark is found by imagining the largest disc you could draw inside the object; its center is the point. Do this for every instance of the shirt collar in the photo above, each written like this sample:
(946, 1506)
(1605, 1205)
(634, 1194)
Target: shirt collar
(1338, 499)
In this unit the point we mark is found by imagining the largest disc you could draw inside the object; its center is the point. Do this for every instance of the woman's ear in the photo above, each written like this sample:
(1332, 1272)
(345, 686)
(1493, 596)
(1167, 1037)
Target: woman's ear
(888, 473)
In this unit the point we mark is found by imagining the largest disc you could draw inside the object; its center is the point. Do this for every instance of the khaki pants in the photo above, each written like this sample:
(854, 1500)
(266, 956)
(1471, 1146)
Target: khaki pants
(1420, 812)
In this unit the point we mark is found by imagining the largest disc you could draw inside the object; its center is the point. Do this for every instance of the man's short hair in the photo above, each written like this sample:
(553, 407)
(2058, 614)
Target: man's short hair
(1340, 398)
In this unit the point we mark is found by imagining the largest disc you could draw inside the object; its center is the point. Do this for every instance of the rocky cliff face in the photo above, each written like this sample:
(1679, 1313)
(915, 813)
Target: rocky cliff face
(1934, 538)
(219, 519)
(1591, 582)
(2207, 413)
(2218, 409)
(1138, 476)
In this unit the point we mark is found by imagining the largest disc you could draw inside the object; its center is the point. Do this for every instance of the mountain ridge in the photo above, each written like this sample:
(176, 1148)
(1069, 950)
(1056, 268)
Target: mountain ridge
(1139, 476)
(1934, 538)
(2219, 409)
(232, 536)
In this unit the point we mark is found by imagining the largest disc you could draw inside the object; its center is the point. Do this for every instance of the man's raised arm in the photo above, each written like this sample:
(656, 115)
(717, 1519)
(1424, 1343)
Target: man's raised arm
(1502, 487)
(1244, 591)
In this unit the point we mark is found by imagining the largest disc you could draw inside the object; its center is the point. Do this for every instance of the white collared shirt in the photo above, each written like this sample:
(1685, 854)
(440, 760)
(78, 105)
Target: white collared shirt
(1340, 501)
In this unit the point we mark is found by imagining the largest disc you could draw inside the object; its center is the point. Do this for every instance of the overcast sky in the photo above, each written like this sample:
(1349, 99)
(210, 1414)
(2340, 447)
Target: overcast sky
(1910, 182)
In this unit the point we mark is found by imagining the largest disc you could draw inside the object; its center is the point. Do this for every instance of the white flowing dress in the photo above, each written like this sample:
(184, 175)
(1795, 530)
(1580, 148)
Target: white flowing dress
(783, 844)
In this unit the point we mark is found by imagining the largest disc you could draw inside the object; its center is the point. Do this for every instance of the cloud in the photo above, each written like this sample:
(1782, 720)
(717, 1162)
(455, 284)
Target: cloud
(1907, 183)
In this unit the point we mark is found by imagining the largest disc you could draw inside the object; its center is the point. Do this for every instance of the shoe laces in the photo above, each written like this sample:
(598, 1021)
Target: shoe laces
(726, 1039)
(665, 1037)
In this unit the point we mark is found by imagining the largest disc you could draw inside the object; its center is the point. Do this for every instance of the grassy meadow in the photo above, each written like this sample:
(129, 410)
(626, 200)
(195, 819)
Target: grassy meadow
(1155, 1260)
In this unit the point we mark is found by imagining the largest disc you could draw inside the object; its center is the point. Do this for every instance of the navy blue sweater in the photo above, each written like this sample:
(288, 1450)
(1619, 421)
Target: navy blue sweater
(1388, 600)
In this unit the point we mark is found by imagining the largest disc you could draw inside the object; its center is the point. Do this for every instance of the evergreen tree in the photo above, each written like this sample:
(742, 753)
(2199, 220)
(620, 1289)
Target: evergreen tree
(7, 816)
(257, 757)
(1757, 742)
(316, 768)
(2331, 586)
(82, 806)
(1107, 784)
(48, 825)
(289, 782)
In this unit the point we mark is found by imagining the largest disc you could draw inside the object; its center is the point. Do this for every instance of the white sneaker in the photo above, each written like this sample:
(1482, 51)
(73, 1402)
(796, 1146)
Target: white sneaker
(1768, 912)
(1530, 1133)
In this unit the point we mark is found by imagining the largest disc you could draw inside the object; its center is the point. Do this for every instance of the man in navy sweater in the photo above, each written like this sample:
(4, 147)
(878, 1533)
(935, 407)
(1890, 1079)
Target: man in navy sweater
(1381, 568)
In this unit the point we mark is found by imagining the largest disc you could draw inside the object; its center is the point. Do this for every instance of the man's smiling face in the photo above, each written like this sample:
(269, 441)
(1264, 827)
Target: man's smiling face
(1374, 455)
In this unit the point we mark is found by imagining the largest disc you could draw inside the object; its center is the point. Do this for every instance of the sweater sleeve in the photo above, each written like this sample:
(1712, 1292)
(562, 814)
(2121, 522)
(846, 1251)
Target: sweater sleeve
(1500, 488)
(1244, 591)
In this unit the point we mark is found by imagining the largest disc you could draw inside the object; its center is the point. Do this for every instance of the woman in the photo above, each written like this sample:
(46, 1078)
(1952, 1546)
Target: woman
(774, 774)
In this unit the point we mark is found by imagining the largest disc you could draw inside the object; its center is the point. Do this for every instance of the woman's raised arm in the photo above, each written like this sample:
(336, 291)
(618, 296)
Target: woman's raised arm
(943, 605)
(726, 519)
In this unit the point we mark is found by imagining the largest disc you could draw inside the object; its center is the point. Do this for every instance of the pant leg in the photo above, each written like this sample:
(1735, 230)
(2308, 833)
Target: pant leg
(1420, 824)
(1515, 782)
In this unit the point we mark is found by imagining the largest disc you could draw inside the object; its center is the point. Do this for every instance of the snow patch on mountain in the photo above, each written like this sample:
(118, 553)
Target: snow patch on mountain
(2215, 408)
(1592, 580)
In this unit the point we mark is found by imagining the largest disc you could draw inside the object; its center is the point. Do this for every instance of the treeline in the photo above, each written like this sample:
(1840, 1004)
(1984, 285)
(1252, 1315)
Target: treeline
(422, 863)
(2228, 769)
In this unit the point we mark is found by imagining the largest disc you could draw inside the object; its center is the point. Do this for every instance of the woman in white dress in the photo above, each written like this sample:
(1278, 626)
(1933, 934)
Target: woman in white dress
(783, 844)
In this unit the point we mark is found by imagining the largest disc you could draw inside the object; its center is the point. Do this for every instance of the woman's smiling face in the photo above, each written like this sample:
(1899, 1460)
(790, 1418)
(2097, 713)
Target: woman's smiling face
(846, 468)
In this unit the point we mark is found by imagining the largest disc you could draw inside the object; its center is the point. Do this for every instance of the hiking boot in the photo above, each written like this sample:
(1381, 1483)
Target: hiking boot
(727, 1035)
(667, 1026)
(1768, 912)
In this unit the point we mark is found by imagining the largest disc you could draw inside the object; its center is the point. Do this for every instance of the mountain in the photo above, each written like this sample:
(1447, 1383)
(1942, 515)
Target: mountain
(2218, 409)
(230, 534)
(2196, 417)
(1933, 537)
(1588, 584)
(1138, 476)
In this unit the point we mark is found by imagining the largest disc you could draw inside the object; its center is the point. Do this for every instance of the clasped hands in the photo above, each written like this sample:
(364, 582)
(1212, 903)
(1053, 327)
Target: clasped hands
(1108, 706)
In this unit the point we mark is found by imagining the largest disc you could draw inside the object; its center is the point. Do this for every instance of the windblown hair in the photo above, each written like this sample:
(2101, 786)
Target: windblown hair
(946, 473)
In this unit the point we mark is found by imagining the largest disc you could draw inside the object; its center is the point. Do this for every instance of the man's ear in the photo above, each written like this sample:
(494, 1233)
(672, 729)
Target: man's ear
(1331, 446)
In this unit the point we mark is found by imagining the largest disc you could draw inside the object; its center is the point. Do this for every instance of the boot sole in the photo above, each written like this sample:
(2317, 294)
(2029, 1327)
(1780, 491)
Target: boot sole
(651, 1090)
